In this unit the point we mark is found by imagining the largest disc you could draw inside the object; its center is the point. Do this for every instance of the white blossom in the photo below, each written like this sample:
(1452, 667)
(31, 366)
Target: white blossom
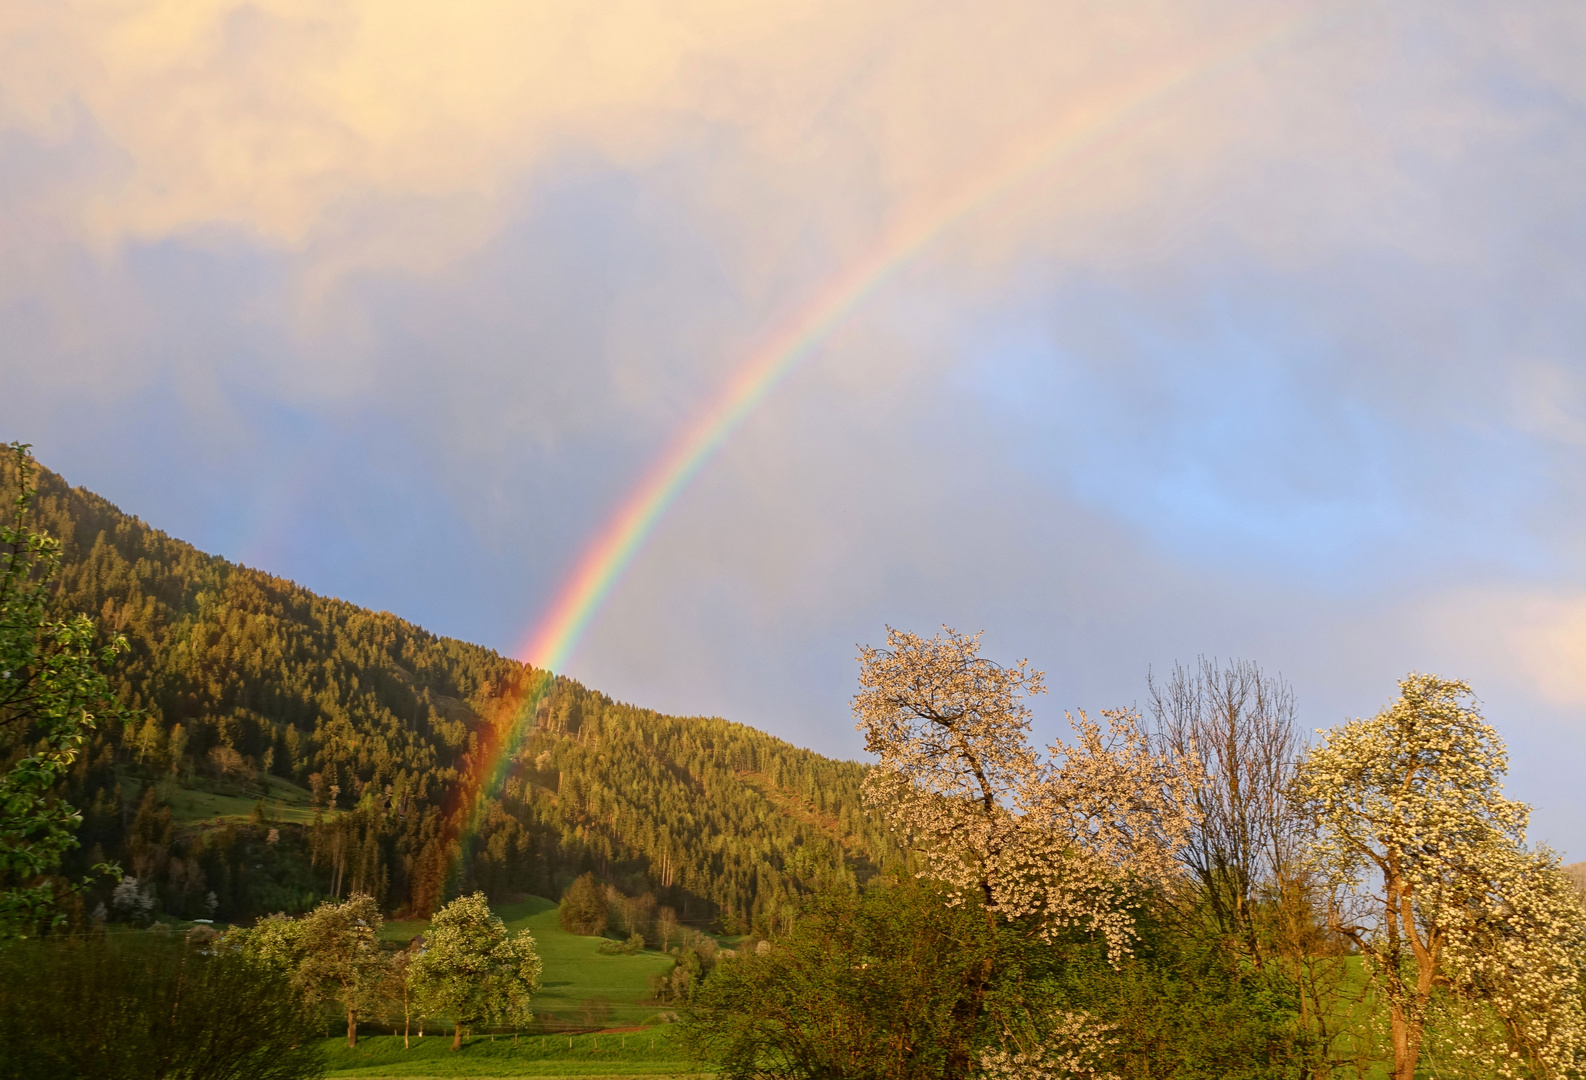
(1457, 920)
(132, 901)
(1067, 839)
(1070, 839)
(1075, 1048)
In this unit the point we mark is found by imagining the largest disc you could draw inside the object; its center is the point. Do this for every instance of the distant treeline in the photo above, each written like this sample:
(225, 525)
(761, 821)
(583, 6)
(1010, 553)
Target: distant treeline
(236, 674)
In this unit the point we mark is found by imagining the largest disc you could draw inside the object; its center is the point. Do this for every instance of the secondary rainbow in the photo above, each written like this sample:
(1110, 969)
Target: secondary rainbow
(613, 548)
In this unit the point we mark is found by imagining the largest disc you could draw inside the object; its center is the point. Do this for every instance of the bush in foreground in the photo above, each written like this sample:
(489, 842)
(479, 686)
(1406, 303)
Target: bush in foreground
(135, 1007)
(874, 985)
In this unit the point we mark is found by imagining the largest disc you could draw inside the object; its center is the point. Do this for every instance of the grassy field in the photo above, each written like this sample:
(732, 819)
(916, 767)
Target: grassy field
(581, 986)
(651, 1052)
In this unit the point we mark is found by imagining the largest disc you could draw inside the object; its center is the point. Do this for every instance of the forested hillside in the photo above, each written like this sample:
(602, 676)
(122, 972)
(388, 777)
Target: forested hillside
(348, 744)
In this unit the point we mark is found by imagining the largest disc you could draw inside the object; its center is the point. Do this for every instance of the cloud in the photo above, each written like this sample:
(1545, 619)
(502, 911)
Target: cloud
(1536, 637)
(1280, 361)
(272, 118)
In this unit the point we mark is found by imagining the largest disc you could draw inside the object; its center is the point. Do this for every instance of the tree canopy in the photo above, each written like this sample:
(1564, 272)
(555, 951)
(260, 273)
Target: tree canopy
(1435, 886)
(473, 971)
(53, 694)
(332, 954)
(583, 907)
(1044, 844)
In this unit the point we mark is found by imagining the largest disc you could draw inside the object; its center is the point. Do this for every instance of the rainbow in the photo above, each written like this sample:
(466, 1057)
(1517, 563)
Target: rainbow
(624, 533)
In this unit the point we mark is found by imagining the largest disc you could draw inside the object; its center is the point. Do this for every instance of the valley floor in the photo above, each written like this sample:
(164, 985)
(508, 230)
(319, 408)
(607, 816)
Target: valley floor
(582, 989)
(630, 1055)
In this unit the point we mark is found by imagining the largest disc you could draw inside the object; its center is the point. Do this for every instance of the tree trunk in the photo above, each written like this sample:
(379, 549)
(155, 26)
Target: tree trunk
(1407, 1008)
(352, 1028)
(457, 1036)
(407, 1026)
(1406, 1043)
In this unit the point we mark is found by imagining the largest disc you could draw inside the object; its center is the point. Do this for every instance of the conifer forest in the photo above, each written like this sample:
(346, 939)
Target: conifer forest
(235, 678)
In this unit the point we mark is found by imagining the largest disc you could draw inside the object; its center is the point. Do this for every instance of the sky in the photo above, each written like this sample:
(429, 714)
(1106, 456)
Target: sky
(1237, 329)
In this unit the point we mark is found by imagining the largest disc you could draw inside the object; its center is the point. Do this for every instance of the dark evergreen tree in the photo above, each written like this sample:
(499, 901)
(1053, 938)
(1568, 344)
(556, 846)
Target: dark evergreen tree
(583, 907)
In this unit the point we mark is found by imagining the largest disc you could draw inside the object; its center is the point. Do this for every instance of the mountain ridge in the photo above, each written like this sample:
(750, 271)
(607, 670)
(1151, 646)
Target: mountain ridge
(239, 675)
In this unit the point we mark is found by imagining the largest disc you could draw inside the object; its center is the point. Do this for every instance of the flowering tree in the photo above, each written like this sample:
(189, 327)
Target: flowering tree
(341, 954)
(133, 900)
(471, 969)
(332, 954)
(1450, 910)
(1050, 842)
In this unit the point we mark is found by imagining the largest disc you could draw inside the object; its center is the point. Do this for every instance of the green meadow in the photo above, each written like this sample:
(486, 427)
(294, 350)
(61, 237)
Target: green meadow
(648, 1052)
(581, 987)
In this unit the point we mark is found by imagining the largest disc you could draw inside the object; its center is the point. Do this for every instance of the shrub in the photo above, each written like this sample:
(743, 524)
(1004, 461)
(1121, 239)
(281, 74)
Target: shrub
(147, 1007)
(869, 985)
(881, 985)
(631, 947)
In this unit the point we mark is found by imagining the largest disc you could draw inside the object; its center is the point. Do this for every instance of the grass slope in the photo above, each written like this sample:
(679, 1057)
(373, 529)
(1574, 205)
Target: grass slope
(283, 800)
